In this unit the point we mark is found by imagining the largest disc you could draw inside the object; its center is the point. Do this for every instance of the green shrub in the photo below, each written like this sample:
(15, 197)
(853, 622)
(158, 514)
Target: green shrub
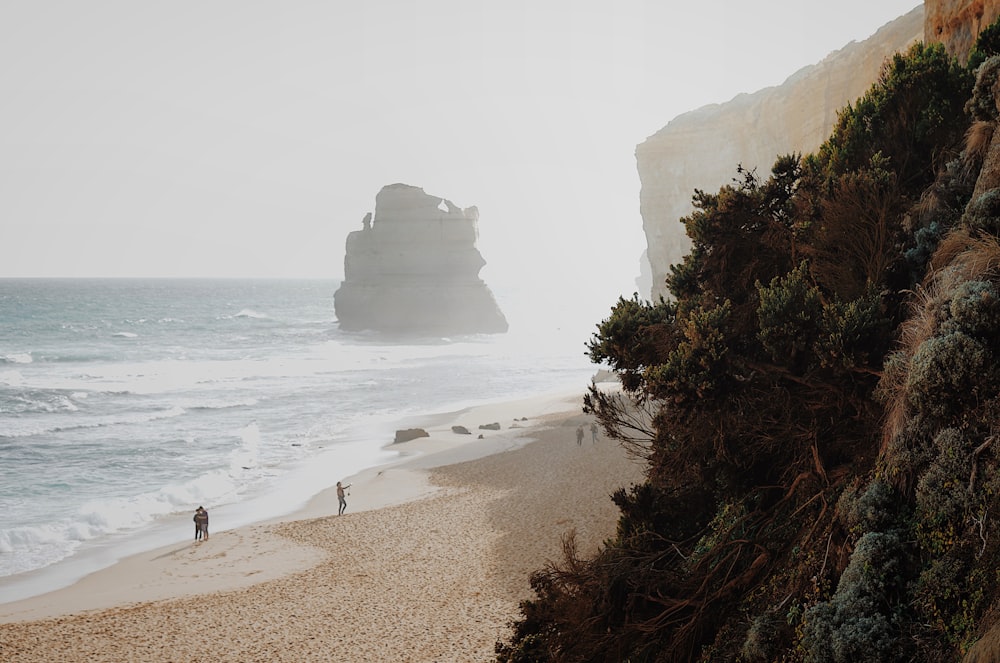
(854, 334)
(983, 106)
(761, 640)
(975, 309)
(987, 44)
(871, 509)
(860, 624)
(942, 500)
(694, 368)
(627, 339)
(789, 312)
(984, 212)
(914, 110)
(926, 241)
(946, 371)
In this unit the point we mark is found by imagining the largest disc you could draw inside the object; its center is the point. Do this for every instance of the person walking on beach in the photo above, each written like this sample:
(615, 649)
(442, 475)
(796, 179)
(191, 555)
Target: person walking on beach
(201, 522)
(579, 435)
(340, 498)
(593, 432)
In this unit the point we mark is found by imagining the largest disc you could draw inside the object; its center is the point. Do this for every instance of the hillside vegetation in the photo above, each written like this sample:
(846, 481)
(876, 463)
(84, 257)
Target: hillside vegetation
(823, 399)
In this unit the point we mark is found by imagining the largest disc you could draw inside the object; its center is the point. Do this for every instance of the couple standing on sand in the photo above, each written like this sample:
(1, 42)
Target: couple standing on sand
(200, 523)
(579, 433)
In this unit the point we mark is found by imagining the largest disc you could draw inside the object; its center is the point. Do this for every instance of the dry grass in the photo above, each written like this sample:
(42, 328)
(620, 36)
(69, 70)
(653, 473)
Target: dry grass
(959, 258)
(977, 144)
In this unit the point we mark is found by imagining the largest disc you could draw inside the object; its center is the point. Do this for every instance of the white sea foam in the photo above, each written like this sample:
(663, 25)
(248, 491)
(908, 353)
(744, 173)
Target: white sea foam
(250, 313)
(11, 378)
(55, 403)
(135, 418)
(247, 455)
(216, 403)
(25, 428)
(17, 358)
(124, 334)
(37, 546)
(165, 375)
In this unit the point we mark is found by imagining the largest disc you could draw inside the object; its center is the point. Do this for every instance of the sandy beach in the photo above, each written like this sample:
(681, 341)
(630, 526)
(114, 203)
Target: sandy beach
(428, 564)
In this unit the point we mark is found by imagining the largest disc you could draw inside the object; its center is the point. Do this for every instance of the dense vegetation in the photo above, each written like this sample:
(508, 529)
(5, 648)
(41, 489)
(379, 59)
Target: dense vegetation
(822, 478)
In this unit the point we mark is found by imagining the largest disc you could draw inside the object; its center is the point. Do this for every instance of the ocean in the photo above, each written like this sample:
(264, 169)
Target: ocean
(126, 403)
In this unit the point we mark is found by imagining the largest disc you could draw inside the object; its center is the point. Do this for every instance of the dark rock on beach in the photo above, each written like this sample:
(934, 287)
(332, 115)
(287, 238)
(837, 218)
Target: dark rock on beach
(407, 434)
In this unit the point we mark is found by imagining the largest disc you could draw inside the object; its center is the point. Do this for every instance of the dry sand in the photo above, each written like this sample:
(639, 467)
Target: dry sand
(428, 564)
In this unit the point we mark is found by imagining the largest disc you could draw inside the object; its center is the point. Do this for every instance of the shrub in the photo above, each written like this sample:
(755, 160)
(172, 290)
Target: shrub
(926, 241)
(987, 44)
(872, 509)
(914, 110)
(946, 371)
(983, 105)
(859, 623)
(789, 312)
(975, 309)
(694, 368)
(628, 340)
(984, 212)
(760, 644)
(941, 497)
(854, 334)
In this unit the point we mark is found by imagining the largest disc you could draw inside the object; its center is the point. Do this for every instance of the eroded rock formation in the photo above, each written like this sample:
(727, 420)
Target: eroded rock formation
(414, 269)
(957, 23)
(701, 149)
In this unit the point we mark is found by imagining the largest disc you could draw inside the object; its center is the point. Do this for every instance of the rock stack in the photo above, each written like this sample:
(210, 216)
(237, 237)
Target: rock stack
(413, 269)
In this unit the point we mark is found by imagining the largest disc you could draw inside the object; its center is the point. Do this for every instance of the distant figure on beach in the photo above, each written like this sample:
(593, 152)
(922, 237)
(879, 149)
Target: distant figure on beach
(340, 498)
(579, 435)
(593, 432)
(200, 524)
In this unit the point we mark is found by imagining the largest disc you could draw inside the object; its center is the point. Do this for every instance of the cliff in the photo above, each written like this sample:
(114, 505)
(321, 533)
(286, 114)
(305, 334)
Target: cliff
(957, 23)
(821, 449)
(414, 269)
(701, 149)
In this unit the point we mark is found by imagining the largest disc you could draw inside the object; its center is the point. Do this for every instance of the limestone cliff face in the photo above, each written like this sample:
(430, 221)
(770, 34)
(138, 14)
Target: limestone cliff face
(414, 269)
(957, 23)
(701, 149)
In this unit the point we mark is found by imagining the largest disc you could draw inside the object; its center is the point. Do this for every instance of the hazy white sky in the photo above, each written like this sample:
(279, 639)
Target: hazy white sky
(247, 138)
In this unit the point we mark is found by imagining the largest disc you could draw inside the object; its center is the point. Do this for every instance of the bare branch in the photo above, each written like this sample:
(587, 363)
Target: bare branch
(624, 418)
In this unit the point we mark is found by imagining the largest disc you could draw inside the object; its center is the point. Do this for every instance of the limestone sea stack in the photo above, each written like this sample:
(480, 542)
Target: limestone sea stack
(413, 269)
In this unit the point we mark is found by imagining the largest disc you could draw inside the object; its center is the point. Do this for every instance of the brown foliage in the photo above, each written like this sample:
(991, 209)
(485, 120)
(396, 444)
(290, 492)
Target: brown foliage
(854, 245)
(977, 144)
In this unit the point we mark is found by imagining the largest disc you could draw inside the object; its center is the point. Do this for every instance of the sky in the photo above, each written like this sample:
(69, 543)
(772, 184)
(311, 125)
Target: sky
(238, 139)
